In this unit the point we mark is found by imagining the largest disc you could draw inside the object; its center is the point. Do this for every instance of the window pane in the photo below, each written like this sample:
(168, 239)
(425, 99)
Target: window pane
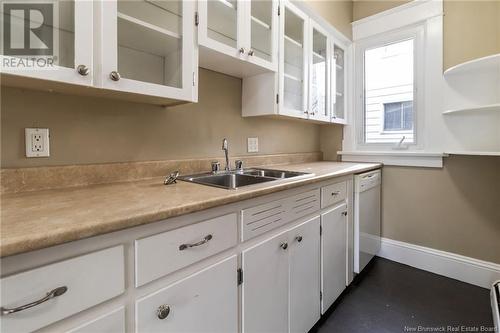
(388, 103)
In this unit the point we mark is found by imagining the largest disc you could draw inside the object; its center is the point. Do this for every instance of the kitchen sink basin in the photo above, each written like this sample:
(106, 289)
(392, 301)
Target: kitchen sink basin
(236, 179)
(279, 174)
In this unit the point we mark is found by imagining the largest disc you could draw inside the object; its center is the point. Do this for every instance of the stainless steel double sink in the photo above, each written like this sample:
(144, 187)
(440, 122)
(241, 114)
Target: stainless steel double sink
(238, 178)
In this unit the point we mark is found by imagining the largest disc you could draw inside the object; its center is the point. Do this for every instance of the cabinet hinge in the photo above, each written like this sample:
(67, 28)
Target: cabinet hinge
(320, 230)
(279, 11)
(240, 276)
(320, 295)
(196, 19)
(277, 99)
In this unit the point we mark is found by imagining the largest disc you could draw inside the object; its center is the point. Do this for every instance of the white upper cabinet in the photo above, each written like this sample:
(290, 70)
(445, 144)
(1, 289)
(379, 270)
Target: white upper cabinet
(293, 78)
(338, 84)
(147, 47)
(319, 73)
(72, 45)
(238, 37)
(312, 79)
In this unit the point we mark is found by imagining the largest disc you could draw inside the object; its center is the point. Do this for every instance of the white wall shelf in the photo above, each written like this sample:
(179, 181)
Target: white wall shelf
(489, 63)
(490, 107)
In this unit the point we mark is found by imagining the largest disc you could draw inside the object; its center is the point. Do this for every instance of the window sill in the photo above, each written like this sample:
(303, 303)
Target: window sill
(398, 158)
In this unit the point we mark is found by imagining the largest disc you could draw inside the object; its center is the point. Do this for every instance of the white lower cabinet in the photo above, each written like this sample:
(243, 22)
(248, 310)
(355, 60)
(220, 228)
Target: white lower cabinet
(333, 254)
(206, 301)
(265, 286)
(36, 298)
(112, 322)
(304, 276)
(281, 281)
(294, 265)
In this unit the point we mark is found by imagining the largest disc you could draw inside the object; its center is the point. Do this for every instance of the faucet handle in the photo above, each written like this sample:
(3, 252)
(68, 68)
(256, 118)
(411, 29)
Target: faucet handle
(215, 166)
(172, 178)
(238, 164)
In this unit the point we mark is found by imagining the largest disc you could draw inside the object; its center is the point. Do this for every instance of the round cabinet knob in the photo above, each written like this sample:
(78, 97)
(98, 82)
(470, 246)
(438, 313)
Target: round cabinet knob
(242, 50)
(299, 238)
(284, 245)
(115, 76)
(83, 70)
(163, 311)
(250, 52)
(335, 193)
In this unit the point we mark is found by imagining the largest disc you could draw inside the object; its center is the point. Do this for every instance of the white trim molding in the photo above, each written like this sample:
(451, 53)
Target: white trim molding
(474, 271)
(397, 158)
(395, 18)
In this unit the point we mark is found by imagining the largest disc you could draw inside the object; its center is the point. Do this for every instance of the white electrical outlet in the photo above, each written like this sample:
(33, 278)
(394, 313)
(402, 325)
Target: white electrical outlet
(253, 145)
(37, 142)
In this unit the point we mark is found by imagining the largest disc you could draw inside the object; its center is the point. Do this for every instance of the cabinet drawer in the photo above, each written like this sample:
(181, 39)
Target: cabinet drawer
(161, 254)
(90, 279)
(206, 301)
(259, 219)
(303, 204)
(113, 322)
(332, 194)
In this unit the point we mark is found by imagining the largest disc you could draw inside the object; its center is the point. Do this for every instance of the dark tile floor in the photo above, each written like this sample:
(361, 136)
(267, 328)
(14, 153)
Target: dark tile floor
(391, 297)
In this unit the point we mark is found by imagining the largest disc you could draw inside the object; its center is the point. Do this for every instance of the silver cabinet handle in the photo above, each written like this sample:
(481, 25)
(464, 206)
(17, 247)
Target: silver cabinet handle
(284, 245)
(299, 238)
(115, 76)
(83, 70)
(51, 294)
(163, 311)
(203, 241)
(250, 52)
(335, 193)
(242, 50)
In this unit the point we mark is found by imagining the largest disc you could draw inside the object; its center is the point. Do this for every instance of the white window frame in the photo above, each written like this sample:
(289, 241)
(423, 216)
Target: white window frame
(428, 152)
(417, 33)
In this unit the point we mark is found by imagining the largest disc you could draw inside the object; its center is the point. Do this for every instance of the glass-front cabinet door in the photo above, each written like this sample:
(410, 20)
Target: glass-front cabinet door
(319, 73)
(220, 25)
(261, 17)
(293, 62)
(61, 48)
(148, 47)
(338, 83)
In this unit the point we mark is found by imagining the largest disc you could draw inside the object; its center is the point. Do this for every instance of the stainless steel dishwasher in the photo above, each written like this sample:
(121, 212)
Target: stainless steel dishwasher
(367, 188)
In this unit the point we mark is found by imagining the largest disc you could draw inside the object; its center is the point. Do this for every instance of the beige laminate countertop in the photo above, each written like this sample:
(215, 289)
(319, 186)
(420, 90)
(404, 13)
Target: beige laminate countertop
(36, 220)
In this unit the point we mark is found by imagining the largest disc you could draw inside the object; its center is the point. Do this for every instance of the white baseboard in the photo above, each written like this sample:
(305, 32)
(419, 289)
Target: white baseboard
(474, 271)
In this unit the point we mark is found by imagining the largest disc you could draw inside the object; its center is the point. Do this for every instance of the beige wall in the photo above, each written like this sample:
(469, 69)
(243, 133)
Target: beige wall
(337, 12)
(96, 130)
(364, 8)
(471, 29)
(455, 209)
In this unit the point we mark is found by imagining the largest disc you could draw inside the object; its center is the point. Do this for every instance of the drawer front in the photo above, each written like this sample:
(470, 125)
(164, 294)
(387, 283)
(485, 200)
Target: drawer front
(303, 204)
(90, 279)
(161, 254)
(332, 194)
(257, 220)
(113, 322)
(206, 301)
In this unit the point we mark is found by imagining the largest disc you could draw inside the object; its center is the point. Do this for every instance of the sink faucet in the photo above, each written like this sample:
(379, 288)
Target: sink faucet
(226, 152)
